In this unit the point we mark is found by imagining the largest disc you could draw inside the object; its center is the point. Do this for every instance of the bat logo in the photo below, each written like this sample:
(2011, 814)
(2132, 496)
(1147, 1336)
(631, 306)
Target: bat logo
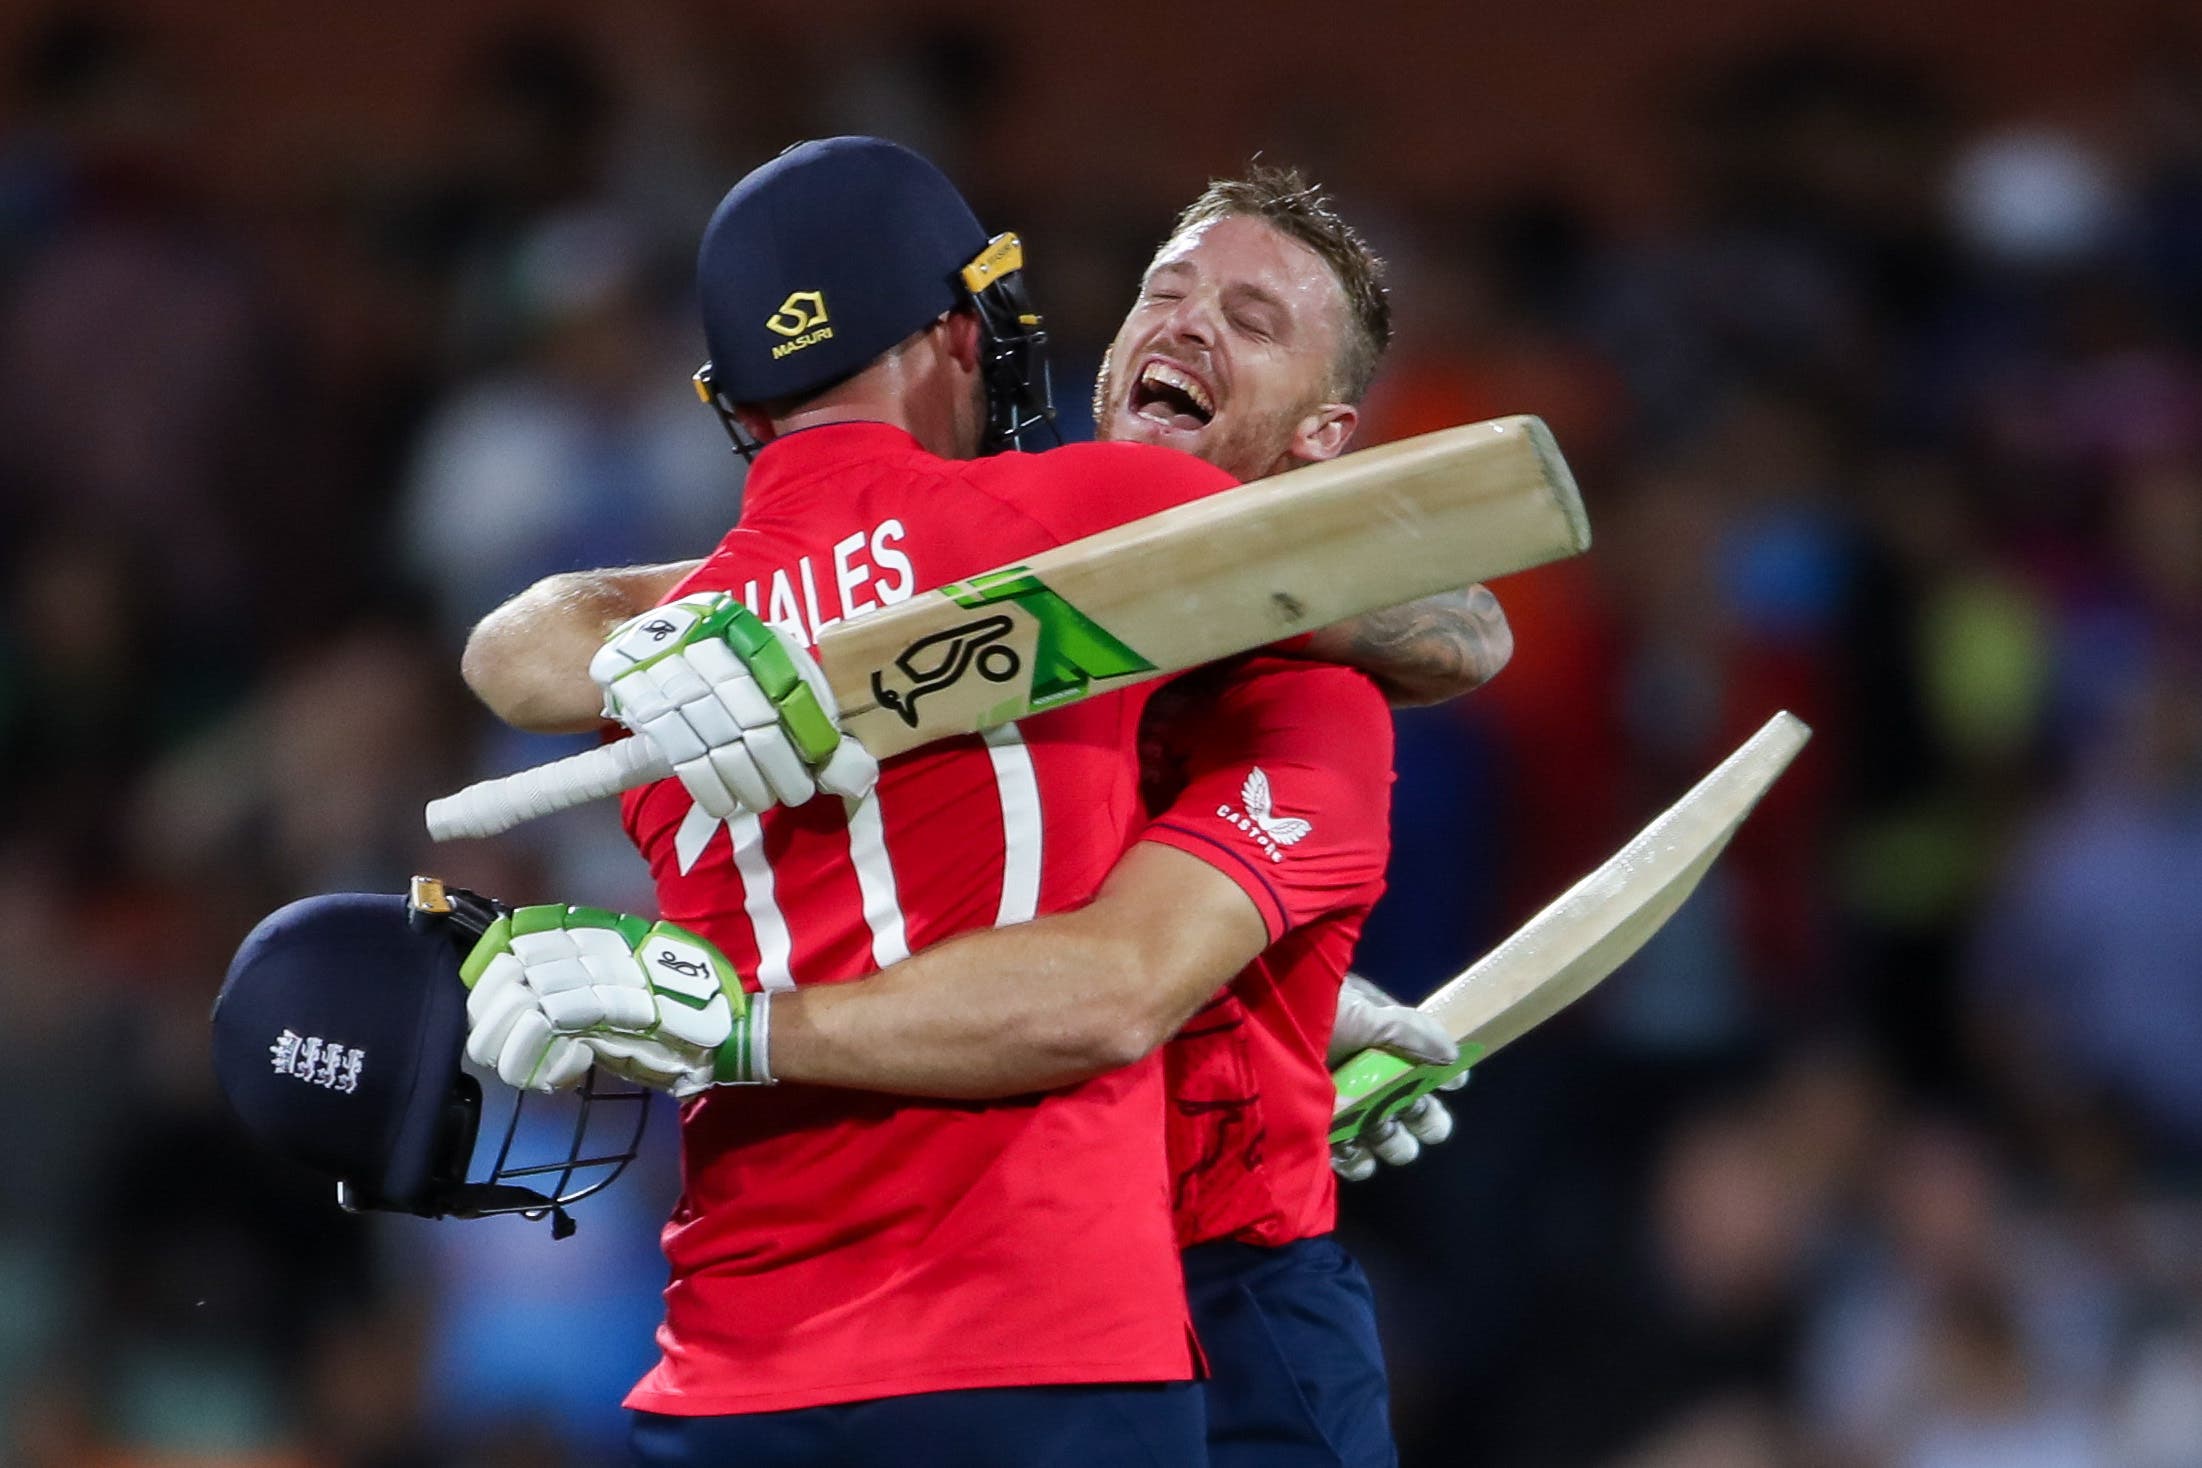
(940, 661)
(1254, 795)
(1070, 651)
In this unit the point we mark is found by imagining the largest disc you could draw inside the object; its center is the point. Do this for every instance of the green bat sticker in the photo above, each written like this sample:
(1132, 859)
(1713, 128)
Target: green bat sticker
(1072, 652)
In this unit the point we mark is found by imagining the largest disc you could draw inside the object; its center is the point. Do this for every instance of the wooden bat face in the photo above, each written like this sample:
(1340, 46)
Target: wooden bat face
(1207, 580)
(1593, 928)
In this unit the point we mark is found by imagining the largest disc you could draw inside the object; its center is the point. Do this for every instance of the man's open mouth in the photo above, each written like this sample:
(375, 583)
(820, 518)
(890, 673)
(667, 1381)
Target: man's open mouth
(1171, 396)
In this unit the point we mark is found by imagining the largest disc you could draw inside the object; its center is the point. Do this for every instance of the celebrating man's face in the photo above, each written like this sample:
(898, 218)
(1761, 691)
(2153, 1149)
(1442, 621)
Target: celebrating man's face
(1230, 352)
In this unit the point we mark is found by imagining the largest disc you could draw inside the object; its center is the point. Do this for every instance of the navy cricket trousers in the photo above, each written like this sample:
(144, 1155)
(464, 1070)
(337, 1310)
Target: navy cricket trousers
(1299, 1377)
(1155, 1425)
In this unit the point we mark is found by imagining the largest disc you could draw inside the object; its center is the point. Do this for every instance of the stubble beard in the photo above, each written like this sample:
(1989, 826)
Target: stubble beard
(1253, 449)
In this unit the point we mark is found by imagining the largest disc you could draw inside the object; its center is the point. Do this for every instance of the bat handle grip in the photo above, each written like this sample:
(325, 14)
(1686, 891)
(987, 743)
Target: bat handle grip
(1374, 1087)
(489, 807)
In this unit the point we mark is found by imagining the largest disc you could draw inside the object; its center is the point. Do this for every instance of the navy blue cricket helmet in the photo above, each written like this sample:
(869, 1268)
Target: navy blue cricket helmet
(819, 261)
(339, 1039)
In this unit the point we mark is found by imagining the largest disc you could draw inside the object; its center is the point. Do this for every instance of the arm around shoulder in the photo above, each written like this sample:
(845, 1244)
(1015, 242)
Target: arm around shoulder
(1427, 651)
(1032, 1007)
(528, 661)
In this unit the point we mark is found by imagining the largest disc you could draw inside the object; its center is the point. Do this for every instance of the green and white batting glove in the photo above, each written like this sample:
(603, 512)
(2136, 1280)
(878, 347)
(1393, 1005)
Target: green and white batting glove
(556, 989)
(1382, 1051)
(740, 710)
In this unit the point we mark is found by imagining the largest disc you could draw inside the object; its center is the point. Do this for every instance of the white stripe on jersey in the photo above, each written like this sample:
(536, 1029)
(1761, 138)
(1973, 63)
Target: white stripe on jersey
(695, 833)
(875, 879)
(1019, 786)
(766, 922)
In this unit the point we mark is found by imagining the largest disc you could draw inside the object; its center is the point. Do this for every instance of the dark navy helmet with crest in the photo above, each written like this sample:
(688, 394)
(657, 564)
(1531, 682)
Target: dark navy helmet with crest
(339, 1040)
(824, 258)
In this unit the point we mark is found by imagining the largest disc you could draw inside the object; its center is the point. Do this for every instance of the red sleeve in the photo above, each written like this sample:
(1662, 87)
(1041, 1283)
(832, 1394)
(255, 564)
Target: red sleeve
(1288, 790)
(1082, 489)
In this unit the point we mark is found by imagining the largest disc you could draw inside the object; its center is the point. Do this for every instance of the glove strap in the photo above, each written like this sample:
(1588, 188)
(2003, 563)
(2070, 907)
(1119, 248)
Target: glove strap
(744, 1060)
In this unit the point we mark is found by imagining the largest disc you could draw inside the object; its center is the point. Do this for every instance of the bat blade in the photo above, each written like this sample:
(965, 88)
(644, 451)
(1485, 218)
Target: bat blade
(1224, 575)
(1598, 924)
(1594, 927)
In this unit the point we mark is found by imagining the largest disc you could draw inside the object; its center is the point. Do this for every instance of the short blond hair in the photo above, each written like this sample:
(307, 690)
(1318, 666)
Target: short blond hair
(1283, 199)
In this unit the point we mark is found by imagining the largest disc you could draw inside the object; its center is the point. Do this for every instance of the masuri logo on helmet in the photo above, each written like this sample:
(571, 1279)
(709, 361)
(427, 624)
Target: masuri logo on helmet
(801, 316)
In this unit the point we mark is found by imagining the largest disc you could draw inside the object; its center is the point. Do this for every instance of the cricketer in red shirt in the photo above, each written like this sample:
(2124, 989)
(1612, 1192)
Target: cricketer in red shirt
(1279, 776)
(836, 1245)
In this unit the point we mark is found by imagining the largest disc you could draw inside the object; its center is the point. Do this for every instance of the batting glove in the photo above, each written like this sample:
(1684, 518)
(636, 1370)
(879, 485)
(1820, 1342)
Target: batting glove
(1370, 1019)
(740, 710)
(556, 989)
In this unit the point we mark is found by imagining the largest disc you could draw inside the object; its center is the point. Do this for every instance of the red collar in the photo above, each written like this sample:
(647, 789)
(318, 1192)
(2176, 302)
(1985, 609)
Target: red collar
(793, 462)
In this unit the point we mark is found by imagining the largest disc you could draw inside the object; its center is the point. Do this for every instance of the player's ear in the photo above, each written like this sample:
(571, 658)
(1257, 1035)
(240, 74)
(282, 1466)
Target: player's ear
(1324, 433)
(754, 423)
(962, 338)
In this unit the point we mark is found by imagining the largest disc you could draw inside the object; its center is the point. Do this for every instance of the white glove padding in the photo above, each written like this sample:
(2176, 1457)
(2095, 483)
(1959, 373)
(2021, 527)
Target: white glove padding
(739, 709)
(507, 1032)
(1370, 1019)
(556, 989)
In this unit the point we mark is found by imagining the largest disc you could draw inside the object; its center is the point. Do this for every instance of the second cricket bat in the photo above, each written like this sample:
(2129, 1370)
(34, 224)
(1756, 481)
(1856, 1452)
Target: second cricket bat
(1570, 947)
(1223, 575)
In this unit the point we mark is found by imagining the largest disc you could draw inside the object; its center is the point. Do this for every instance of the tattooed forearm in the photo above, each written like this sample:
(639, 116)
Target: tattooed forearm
(1426, 651)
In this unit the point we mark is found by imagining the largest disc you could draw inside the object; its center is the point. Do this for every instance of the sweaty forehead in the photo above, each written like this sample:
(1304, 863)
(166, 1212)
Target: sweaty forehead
(1239, 251)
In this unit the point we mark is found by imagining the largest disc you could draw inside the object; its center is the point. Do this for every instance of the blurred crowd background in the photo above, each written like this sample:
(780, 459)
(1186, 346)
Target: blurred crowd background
(1877, 346)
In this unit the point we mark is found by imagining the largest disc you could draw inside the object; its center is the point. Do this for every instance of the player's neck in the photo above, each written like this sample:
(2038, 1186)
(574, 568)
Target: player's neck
(820, 414)
(904, 389)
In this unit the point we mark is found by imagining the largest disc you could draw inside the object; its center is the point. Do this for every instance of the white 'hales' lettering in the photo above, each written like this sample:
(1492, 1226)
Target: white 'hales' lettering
(856, 580)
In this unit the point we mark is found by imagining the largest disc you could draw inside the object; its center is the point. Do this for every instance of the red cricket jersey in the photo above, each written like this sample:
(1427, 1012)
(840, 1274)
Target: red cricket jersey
(833, 1245)
(1287, 790)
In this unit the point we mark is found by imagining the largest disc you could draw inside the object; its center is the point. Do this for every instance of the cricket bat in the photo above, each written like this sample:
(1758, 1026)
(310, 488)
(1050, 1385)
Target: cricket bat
(1566, 950)
(1223, 575)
